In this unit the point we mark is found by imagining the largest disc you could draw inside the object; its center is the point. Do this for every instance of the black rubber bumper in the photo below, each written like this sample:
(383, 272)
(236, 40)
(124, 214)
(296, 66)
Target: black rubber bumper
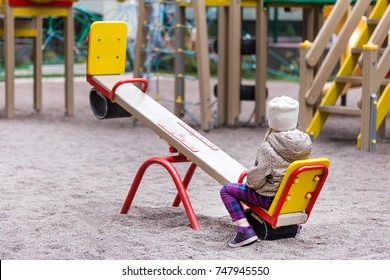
(103, 108)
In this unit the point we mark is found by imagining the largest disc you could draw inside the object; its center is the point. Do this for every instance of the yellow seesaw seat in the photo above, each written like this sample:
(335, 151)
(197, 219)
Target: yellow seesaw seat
(107, 49)
(297, 193)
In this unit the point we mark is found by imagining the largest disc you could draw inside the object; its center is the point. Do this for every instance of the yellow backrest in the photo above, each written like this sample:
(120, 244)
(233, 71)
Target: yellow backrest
(107, 48)
(304, 183)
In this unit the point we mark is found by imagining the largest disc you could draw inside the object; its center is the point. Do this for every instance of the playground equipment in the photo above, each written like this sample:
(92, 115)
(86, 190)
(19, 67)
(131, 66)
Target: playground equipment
(363, 57)
(229, 50)
(141, 52)
(23, 18)
(113, 95)
(294, 199)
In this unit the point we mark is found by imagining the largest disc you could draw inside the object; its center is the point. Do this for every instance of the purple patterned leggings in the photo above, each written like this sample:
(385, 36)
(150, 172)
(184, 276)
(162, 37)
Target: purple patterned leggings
(233, 193)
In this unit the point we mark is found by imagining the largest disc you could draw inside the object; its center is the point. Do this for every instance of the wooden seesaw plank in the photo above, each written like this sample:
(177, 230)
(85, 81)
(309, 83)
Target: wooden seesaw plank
(178, 134)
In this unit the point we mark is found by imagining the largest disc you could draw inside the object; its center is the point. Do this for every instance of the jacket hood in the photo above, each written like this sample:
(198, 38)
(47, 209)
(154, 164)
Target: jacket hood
(291, 145)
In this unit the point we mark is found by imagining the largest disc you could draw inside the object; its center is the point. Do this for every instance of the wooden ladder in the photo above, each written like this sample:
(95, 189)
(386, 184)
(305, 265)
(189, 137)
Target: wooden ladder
(374, 31)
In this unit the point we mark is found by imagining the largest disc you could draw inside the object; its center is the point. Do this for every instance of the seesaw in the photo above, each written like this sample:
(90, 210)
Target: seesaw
(116, 95)
(113, 95)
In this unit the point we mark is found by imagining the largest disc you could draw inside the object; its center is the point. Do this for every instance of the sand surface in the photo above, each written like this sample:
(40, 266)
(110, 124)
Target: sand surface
(63, 181)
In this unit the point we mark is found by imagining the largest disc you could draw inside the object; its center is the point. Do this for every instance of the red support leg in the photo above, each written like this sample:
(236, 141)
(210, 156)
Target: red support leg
(167, 164)
(186, 182)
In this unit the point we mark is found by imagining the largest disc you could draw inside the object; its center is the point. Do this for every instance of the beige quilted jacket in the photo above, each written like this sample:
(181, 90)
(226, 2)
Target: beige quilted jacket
(273, 158)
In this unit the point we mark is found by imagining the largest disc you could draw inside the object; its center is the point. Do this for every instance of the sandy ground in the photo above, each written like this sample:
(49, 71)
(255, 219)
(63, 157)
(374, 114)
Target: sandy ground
(63, 181)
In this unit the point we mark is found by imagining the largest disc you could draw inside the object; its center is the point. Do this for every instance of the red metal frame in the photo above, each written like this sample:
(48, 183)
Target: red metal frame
(272, 220)
(28, 3)
(181, 185)
(111, 94)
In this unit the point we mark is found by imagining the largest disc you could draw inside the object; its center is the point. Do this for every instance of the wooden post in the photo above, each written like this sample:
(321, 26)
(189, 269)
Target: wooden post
(179, 61)
(223, 15)
(234, 65)
(306, 79)
(203, 64)
(318, 20)
(38, 58)
(308, 28)
(9, 53)
(370, 58)
(261, 62)
(141, 40)
(69, 83)
(312, 19)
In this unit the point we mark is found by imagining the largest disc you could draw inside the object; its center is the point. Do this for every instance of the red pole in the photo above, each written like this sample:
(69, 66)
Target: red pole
(186, 182)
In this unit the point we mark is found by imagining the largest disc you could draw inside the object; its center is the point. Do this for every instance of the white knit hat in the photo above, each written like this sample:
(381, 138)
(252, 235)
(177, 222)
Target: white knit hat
(282, 113)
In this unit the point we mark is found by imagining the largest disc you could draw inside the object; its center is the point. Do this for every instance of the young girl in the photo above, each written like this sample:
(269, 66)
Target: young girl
(283, 144)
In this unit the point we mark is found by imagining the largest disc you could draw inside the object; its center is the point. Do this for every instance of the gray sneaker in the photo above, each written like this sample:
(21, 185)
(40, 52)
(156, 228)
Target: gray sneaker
(245, 236)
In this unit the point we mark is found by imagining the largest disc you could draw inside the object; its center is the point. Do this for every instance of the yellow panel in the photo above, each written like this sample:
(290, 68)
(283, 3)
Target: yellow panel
(107, 48)
(297, 201)
(383, 106)
(303, 179)
(26, 33)
(30, 11)
(379, 9)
